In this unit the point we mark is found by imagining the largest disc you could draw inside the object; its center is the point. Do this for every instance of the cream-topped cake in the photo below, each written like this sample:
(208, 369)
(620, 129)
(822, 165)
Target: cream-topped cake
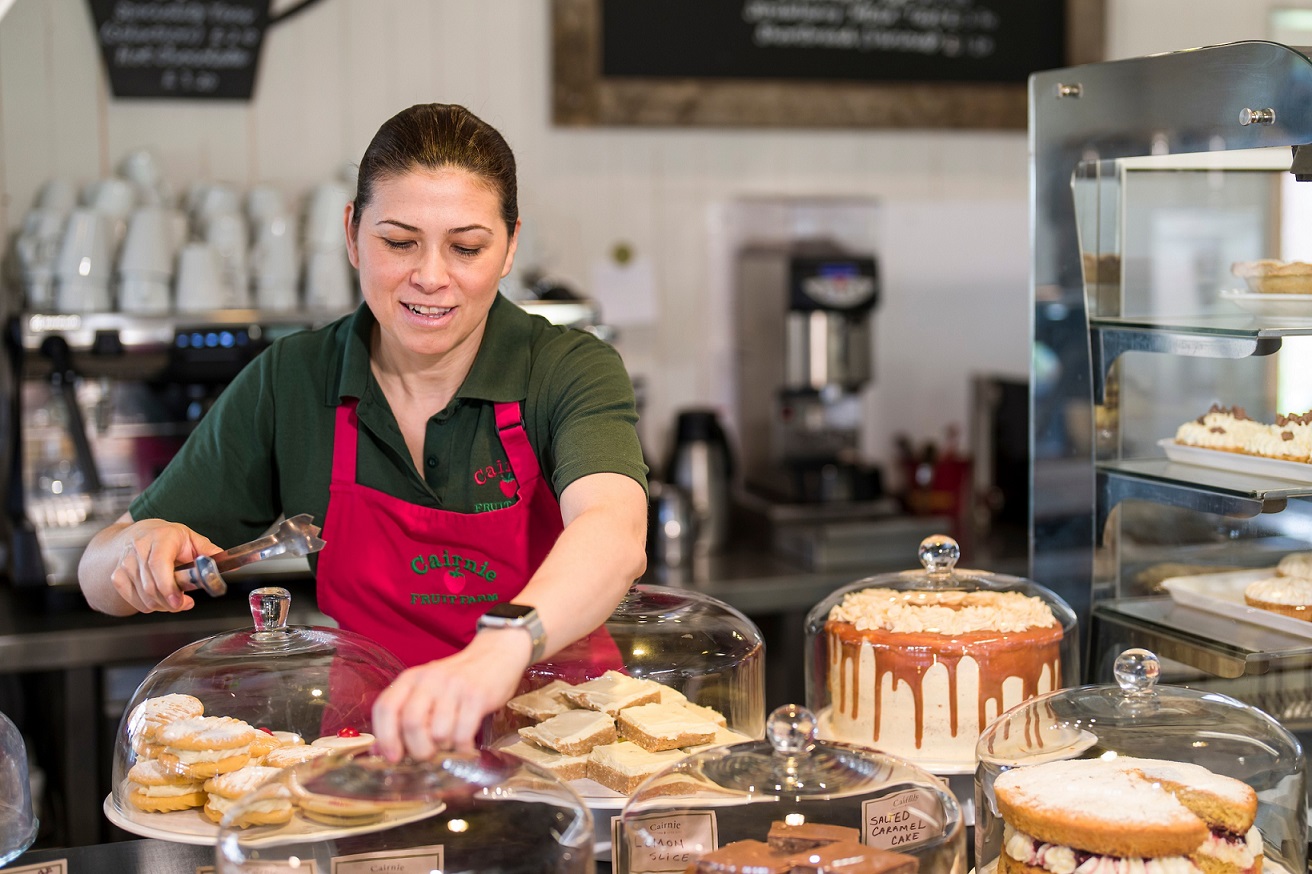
(920, 673)
(1288, 596)
(1126, 815)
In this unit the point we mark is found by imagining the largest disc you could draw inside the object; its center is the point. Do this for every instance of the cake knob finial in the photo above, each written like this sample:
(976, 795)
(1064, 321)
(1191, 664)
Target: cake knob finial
(269, 607)
(791, 729)
(1136, 671)
(939, 553)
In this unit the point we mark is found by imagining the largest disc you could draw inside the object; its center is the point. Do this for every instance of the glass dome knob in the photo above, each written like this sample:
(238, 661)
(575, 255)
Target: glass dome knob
(791, 729)
(269, 608)
(939, 553)
(1136, 671)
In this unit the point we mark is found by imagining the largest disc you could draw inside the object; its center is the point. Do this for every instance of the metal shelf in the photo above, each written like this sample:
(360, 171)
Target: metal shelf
(1209, 642)
(1205, 489)
(1205, 336)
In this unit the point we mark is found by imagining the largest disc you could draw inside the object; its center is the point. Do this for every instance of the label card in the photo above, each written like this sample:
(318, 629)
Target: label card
(59, 866)
(902, 819)
(415, 860)
(677, 841)
(297, 866)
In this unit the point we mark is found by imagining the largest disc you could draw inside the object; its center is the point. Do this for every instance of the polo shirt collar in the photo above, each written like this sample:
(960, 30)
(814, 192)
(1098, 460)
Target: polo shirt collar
(500, 371)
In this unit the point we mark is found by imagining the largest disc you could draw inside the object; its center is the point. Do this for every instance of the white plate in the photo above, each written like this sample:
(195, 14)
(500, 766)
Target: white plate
(1293, 307)
(1224, 594)
(193, 827)
(1236, 462)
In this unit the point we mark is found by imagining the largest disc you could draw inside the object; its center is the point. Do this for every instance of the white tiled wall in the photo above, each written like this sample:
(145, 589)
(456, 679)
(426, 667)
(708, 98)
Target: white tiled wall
(955, 251)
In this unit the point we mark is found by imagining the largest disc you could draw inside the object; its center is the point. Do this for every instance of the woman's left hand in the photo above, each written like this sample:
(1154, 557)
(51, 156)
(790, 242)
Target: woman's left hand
(439, 706)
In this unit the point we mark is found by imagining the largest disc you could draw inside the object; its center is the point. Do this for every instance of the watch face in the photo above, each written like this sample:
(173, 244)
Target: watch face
(509, 611)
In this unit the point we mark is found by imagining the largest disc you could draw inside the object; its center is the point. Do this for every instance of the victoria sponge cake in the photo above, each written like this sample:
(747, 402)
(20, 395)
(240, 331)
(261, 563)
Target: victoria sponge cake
(1126, 815)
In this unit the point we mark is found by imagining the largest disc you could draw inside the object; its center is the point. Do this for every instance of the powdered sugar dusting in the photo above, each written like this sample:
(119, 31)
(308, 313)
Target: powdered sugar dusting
(1099, 788)
(1195, 776)
(942, 612)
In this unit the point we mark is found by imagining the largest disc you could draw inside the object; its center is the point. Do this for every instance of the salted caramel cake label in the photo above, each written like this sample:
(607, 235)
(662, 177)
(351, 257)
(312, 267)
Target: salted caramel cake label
(901, 819)
(671, 842)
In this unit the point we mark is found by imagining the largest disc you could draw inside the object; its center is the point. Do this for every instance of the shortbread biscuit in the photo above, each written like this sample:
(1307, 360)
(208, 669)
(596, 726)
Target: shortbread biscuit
(152, 714)
(156, 789)
(345, 741)
(204, 746)
(227, 789)
(287, 756)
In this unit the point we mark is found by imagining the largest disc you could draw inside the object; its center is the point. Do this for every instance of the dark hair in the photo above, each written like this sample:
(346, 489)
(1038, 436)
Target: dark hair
(437, 135)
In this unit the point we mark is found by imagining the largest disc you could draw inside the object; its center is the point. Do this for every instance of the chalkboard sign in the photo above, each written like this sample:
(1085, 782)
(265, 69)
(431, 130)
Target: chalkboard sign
(860, 40)
(812, 63)
(181, 48)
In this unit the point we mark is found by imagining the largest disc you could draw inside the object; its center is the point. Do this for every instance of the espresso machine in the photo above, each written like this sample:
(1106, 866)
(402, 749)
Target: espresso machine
(97, 405)
(804, 348)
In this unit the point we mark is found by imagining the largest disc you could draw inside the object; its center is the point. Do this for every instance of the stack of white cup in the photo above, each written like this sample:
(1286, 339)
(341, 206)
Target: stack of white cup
(145, 263)
(329, 284)
(274, 270)
(38, 242)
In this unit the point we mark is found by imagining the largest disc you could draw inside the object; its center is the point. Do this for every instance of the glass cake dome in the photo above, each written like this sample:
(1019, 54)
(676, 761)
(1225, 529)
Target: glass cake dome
(687, 641)
(225, 701)
(917, 663)
(791, 802)
(1137, 720)
(468, 813)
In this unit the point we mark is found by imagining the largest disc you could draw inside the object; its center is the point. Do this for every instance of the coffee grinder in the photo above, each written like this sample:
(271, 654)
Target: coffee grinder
(804, 344)
(804, 355)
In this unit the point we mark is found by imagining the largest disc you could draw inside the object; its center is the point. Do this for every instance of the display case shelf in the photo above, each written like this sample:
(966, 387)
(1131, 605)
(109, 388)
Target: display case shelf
(1206, 489)
(1209, 642)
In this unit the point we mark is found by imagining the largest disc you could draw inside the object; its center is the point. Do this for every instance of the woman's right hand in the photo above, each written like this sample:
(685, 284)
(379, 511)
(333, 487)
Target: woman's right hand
(138, 559)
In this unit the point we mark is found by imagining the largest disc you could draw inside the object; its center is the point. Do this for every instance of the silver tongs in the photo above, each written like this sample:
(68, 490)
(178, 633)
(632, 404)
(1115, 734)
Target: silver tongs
(295, 536)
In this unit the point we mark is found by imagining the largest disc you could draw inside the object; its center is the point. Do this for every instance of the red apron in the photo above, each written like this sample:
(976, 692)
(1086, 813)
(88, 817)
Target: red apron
(414, 578)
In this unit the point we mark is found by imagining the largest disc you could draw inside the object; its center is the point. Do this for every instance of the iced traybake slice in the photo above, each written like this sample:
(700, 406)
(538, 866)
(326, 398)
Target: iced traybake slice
(542, 703)
(612, 692)
(573, 732)
(657, 727)
(622, 766)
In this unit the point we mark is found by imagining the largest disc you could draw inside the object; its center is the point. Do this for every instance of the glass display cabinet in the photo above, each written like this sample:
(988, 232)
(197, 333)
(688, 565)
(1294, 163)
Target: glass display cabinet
(1153, 180)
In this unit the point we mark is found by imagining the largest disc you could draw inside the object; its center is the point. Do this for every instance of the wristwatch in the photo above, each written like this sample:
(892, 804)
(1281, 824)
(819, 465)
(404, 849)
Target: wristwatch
(508, 615)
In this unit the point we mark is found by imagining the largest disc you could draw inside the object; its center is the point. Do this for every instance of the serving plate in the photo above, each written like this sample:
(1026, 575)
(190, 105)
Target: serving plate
(1236, 462)
(193, 827)
(1281, 307)
(1223, 593)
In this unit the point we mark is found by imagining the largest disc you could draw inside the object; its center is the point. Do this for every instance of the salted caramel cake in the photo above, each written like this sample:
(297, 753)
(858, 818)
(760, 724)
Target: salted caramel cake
(919, 674)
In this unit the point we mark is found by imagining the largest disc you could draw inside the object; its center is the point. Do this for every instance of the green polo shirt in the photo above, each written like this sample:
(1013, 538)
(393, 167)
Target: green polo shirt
(265, 449)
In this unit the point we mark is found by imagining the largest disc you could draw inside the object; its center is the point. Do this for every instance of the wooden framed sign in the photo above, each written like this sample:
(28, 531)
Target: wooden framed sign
(812, 63)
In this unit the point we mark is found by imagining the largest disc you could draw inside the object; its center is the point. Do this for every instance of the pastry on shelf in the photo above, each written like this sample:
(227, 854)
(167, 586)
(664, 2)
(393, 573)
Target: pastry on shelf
(1270, 276)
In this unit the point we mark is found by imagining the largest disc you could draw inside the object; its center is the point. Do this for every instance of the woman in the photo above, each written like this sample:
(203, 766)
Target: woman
(431, 432)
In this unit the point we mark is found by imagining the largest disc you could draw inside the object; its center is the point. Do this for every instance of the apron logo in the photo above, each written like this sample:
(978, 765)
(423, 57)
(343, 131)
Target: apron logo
(499, 471)
(457, 566)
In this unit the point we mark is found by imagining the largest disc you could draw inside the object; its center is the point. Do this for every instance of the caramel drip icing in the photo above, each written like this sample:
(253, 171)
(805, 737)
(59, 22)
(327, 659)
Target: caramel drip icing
(907, 656)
